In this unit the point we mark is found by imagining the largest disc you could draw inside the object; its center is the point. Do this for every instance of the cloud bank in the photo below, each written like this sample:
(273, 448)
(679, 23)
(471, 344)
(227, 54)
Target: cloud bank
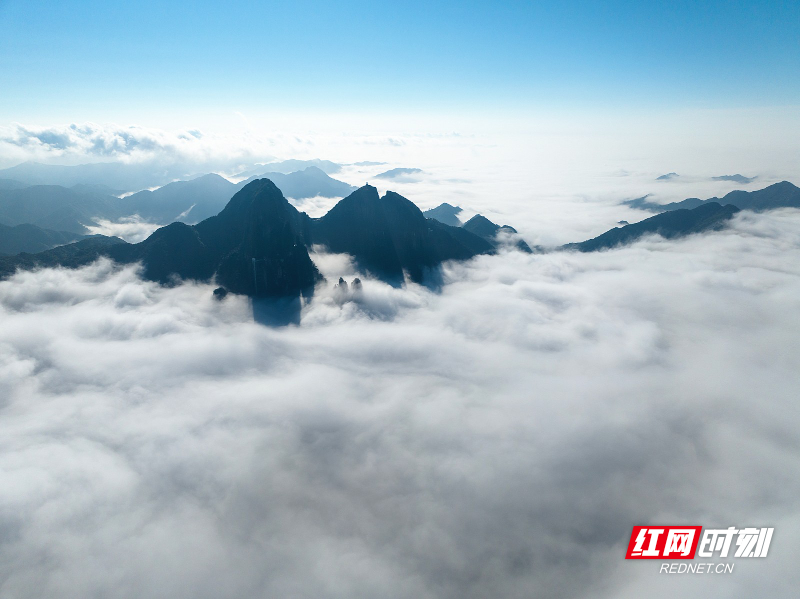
(497, 440)
(91, 140)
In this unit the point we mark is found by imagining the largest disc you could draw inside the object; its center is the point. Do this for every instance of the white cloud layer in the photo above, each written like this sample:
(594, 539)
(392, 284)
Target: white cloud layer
(497, 440)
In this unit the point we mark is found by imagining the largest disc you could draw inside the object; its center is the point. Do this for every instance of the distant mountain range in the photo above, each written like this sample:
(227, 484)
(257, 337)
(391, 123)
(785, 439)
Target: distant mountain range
(31, 239)
(398, 173)
(670, 225)
(308, 183)
(116, 175)
(75, 209)
(290, 166)
(777, 195)
(185, 201)
(258, 244)
(57, 208)
(135, 177)
(6, 184)
(737, 178)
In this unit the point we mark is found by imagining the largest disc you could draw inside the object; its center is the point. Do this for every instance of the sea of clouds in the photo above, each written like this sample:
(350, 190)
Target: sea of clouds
(497, 439)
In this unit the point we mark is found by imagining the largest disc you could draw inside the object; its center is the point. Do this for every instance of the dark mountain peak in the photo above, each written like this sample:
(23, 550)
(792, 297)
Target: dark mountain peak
(394, 197)
(170, 253)
(173, 231)
(256, 196)
(783, 186)
(255, 247)
(480, 225)
(397, 207)
(365, 208)
(483, 227)
(257, 244)
(365, 194)
(360, 207)
(389, 235)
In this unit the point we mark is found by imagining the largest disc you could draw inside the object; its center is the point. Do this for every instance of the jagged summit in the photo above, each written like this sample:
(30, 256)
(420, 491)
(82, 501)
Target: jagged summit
(255, 247)
(257, 196)
(259, 240)
(389, 236)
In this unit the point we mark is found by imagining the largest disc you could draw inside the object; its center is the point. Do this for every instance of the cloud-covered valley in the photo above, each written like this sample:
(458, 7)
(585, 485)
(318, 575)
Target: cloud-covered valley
(498, 439)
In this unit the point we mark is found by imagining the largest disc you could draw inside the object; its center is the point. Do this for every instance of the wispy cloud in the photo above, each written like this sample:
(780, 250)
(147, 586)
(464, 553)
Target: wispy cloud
(500, 437)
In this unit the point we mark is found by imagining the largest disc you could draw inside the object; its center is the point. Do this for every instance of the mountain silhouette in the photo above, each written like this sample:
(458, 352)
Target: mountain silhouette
(777, 195)
(483, 227)
(257, 245)
(445, 213)
(389, 235)
(203, 197)
(670, 225)
(76, 208)
(478, 225)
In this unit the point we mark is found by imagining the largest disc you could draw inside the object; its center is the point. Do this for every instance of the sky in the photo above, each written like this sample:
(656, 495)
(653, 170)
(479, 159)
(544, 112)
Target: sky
(157, 62)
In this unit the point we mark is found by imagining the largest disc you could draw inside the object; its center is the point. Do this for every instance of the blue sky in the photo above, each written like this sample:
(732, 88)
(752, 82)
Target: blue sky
(62, 61)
